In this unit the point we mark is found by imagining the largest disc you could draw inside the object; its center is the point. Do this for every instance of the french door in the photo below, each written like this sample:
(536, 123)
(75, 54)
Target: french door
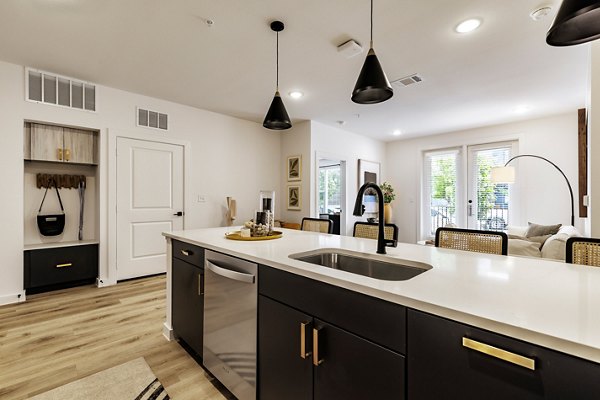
(458, 191)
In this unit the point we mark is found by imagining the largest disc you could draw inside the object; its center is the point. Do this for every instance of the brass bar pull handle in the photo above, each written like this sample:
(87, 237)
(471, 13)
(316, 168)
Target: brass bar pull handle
(316, 360)
(64, 265)
(187, 253)
(303, 352)
(200, 284)
(67, 153)
(504, 355)
(60, 154)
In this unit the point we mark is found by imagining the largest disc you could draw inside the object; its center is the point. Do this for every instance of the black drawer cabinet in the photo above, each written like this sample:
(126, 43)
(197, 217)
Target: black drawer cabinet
(60, 267)
(187, 312)
(440, 366)
(317, 341)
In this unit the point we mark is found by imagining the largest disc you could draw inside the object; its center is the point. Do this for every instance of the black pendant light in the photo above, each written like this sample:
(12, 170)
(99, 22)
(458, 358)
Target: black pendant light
(577, 21)
(277, 117)
(372, 85)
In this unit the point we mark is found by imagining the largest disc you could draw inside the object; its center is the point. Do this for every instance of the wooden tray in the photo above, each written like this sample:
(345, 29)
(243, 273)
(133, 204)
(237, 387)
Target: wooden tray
(236, 235)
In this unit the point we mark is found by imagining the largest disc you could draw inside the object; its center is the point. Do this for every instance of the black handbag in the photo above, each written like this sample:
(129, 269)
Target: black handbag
(51, 224)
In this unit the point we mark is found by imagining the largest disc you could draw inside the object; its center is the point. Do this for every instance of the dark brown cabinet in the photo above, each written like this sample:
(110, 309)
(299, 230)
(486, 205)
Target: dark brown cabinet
(449, 360)
(187, 303)
(58, 267)
(303, 355)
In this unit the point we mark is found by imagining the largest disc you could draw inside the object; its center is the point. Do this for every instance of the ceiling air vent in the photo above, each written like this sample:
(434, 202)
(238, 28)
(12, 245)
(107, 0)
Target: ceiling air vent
(152, 119)
(408, 80)
(47, 88)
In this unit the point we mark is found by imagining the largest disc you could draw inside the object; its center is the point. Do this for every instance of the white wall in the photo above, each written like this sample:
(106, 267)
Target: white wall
(337, 144)
(296, 142)
(229, 157)
(594, 140)
(540, 191)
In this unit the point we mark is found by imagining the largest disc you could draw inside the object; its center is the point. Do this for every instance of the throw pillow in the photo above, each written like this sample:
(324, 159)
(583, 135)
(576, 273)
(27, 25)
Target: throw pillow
(522, 247)
(541, 230)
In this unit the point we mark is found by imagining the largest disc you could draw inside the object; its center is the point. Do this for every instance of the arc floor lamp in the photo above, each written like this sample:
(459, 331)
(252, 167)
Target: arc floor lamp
(506, 174)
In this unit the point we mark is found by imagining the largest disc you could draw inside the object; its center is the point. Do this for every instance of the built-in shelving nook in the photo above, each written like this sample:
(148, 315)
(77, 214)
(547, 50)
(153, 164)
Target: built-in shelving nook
(68, 156)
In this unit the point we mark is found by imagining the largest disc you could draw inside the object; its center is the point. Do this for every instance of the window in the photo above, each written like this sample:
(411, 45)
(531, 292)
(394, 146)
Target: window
(460, 192)
(329, 189)
(440, 179)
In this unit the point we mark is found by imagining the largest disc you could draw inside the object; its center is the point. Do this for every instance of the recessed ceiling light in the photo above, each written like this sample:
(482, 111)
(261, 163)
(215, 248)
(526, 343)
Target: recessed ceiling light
(468, 26)
(522, 109)
(540, 13)
(296, 94)
(397, 132)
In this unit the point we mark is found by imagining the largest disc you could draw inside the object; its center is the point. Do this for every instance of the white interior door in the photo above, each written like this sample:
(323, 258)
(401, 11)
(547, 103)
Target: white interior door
(149, 196)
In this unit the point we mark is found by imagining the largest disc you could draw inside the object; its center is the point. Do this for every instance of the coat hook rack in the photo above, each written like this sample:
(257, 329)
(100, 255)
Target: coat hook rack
(62, 181)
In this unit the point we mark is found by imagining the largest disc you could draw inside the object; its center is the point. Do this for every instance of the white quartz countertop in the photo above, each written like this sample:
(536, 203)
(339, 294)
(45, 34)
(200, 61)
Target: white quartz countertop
(549, 303)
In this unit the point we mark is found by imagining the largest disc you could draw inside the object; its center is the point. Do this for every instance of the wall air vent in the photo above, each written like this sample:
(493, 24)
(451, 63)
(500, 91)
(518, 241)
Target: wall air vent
(47, 88)
(152, 119)
(408, 80)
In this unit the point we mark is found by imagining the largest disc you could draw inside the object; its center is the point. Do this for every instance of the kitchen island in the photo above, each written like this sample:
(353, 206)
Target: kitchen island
(544, 303)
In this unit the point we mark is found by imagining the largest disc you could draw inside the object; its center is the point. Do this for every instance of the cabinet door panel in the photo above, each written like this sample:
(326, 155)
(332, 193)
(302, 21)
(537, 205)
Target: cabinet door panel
(188, 303)
(441, 367)
(46, 142)
(354, 368)
(282, 372)
(78, 146)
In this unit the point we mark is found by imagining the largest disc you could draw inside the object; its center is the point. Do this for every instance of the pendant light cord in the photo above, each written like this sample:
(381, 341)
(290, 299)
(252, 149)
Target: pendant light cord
(277, 79)
(371, 24)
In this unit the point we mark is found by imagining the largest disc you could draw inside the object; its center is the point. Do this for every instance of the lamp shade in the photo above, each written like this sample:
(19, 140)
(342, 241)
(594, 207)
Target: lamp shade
(503, 175)
(372, 85)
(277, 117)
(577, 21)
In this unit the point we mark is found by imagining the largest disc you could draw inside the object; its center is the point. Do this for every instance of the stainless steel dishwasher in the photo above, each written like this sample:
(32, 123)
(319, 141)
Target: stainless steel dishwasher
(230, 304)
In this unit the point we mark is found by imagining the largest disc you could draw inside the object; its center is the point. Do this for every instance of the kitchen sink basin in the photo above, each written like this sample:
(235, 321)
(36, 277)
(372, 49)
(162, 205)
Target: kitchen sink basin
(377, 267)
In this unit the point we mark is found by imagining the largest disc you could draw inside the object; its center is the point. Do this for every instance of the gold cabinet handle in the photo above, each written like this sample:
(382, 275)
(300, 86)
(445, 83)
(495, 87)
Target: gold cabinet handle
(316, 360)
(67, 153)
(303, 352)
(187, 253)
(60, 154)
(504, 355)
(64, 265)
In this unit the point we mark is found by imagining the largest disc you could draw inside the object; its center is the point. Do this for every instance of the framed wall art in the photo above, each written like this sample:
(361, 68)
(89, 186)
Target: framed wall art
(294, 168)
(294, 198)
(368, 171)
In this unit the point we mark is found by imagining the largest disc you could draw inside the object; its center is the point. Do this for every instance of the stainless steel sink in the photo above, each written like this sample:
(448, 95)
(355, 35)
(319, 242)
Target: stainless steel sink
(377, 267)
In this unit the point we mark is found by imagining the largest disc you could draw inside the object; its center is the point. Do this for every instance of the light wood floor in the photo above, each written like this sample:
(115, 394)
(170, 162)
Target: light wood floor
(58, 337)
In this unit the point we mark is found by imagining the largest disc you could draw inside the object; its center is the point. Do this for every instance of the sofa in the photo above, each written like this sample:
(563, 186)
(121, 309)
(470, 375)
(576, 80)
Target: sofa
(521, 241)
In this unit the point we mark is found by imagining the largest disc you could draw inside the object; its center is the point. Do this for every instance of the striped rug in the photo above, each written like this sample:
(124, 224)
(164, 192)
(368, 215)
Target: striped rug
(133, 380)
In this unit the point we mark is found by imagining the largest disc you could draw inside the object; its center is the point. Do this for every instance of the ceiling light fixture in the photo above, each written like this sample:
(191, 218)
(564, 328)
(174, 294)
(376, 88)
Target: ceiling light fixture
(577, 21)
(296, 94)
(540, 13)
(372, 85)
(468, 26)
(277, 117)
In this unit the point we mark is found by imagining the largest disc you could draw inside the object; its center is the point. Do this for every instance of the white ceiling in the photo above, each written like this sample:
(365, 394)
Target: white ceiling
(165, 49)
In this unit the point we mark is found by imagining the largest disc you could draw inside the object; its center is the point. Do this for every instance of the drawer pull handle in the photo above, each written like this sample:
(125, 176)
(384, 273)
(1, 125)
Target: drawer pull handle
(187, 253)
(316, 360)
(64, 265)
(303, 352)
(505, 355)
(200, 284)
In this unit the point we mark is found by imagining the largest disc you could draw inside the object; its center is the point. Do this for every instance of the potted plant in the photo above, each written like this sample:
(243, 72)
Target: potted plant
(388, 197)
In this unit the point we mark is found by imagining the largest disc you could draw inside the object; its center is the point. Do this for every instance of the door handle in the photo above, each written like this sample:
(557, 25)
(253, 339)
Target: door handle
(316, 360)
(229, 273)
(470, 208)
(178, 214)
(303, 352)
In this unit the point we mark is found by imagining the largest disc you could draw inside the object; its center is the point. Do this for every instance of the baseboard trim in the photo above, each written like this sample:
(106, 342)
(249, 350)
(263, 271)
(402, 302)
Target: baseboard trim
(12, 298)
(168, 332)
